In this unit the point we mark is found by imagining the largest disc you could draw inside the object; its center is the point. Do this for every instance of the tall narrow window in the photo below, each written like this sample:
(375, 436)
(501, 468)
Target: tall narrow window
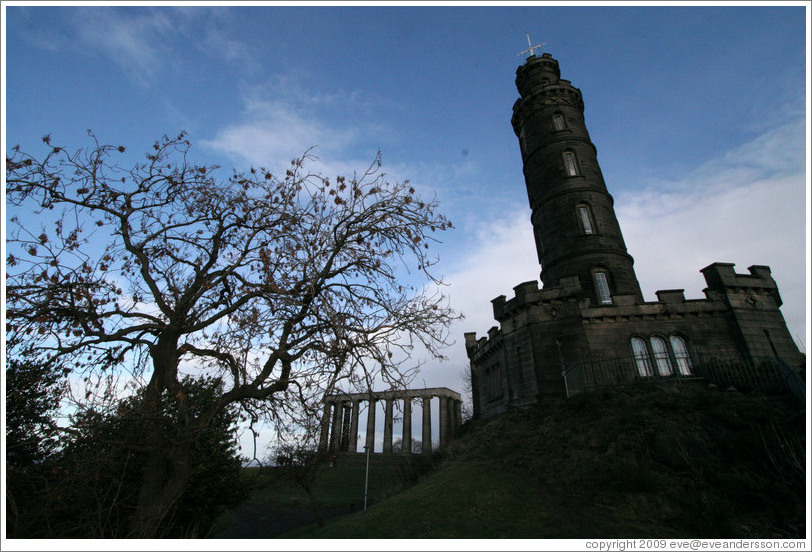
(558, 121)
(602, 285)
(522, 143)
(586, 219)
(641, 357)
(494, 382)
(569, 164)
(681, 355)
(661, 356)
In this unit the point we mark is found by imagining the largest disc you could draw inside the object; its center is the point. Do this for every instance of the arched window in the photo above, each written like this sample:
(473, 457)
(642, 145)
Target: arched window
(641, 357)
(681, 355)
(570, 164)
(558, 122)
(661, 356)
(585, 219)
(602, 287)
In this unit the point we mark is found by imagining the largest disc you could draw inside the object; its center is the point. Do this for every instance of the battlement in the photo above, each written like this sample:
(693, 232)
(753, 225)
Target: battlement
(528, 293)
(721, 277)
(484, 345)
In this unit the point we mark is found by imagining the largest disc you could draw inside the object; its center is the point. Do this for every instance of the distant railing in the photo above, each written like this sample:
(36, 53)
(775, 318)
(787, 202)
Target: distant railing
(767, 375)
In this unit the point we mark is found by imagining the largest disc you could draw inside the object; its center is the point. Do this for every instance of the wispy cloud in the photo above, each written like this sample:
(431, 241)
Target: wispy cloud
(282, 118)
(135, 40)
(145, 42)
(274, 132)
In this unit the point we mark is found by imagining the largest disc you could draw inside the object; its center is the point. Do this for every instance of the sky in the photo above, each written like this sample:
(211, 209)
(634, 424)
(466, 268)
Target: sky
(699, 115)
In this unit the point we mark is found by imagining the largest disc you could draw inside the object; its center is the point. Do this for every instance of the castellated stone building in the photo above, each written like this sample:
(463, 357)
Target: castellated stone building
(588, 325)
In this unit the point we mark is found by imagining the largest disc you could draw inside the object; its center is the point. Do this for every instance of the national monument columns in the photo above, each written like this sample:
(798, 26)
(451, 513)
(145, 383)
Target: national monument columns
(340, 420)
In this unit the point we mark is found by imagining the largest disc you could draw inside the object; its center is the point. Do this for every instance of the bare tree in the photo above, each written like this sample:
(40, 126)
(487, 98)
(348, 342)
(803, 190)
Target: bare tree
(416, 446)
(468, 394)
(299, 455)
(280, 285)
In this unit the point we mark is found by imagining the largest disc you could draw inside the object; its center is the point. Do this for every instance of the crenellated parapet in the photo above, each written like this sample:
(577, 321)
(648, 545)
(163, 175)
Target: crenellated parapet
(558, 94)
(528, 294)
(721, 277)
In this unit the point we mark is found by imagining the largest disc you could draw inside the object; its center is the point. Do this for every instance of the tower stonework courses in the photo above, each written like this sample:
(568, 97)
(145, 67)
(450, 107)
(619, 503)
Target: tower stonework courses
(588, 325)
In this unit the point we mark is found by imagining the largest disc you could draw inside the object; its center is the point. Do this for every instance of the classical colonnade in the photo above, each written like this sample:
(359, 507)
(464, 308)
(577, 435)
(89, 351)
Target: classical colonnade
(339, 424)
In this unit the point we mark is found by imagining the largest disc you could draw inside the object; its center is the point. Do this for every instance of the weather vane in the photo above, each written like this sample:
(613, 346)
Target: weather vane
(531, 48)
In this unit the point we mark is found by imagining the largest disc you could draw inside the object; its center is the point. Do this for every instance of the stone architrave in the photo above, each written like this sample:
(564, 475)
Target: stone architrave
(406, 445)
(387, 427)
(370, 443)
(426, 425)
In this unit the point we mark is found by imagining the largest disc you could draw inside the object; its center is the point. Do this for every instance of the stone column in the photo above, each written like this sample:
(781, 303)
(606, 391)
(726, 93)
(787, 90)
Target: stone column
(371, 425)
(407, 426)
(335, 438)
(353, 442)
(387, 427)
(345, 428)
(325, 426)
(457, 414)
(426, 425)
(443, 421)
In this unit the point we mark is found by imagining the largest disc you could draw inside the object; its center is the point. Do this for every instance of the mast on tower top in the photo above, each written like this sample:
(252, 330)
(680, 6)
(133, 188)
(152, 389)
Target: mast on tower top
(531, 48)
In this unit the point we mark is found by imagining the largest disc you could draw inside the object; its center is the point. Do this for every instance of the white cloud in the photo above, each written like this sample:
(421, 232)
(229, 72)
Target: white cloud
(504, 256)
(273, 133)
(282, 119)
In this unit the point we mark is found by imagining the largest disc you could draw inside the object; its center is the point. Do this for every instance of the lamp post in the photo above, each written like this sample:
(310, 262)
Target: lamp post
(366, 477)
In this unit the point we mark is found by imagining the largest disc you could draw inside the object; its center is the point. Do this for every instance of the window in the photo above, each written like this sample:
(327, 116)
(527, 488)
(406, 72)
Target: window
(558, 121)
(494, 382)
(586, 219)
(661, 356)
(665, 358)
(602, 285)
(641, 357)
(522, 143)
(570, 166)
(681, 355)
(520, 365)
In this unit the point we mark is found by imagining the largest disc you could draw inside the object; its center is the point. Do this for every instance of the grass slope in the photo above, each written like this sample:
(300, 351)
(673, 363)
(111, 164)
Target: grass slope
(672, 462)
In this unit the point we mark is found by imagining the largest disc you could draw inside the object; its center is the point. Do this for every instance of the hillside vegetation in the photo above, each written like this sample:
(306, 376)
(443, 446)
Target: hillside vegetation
(674, 462)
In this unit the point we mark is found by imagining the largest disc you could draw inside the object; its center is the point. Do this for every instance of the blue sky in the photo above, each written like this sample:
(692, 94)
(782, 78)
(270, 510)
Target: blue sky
(698, 113)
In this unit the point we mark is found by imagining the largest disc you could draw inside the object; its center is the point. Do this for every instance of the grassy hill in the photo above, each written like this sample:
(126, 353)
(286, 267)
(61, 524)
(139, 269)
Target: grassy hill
(673, 462)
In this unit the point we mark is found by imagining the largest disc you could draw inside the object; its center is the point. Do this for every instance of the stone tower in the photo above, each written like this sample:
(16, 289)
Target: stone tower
(589, 327)
(573, 217)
